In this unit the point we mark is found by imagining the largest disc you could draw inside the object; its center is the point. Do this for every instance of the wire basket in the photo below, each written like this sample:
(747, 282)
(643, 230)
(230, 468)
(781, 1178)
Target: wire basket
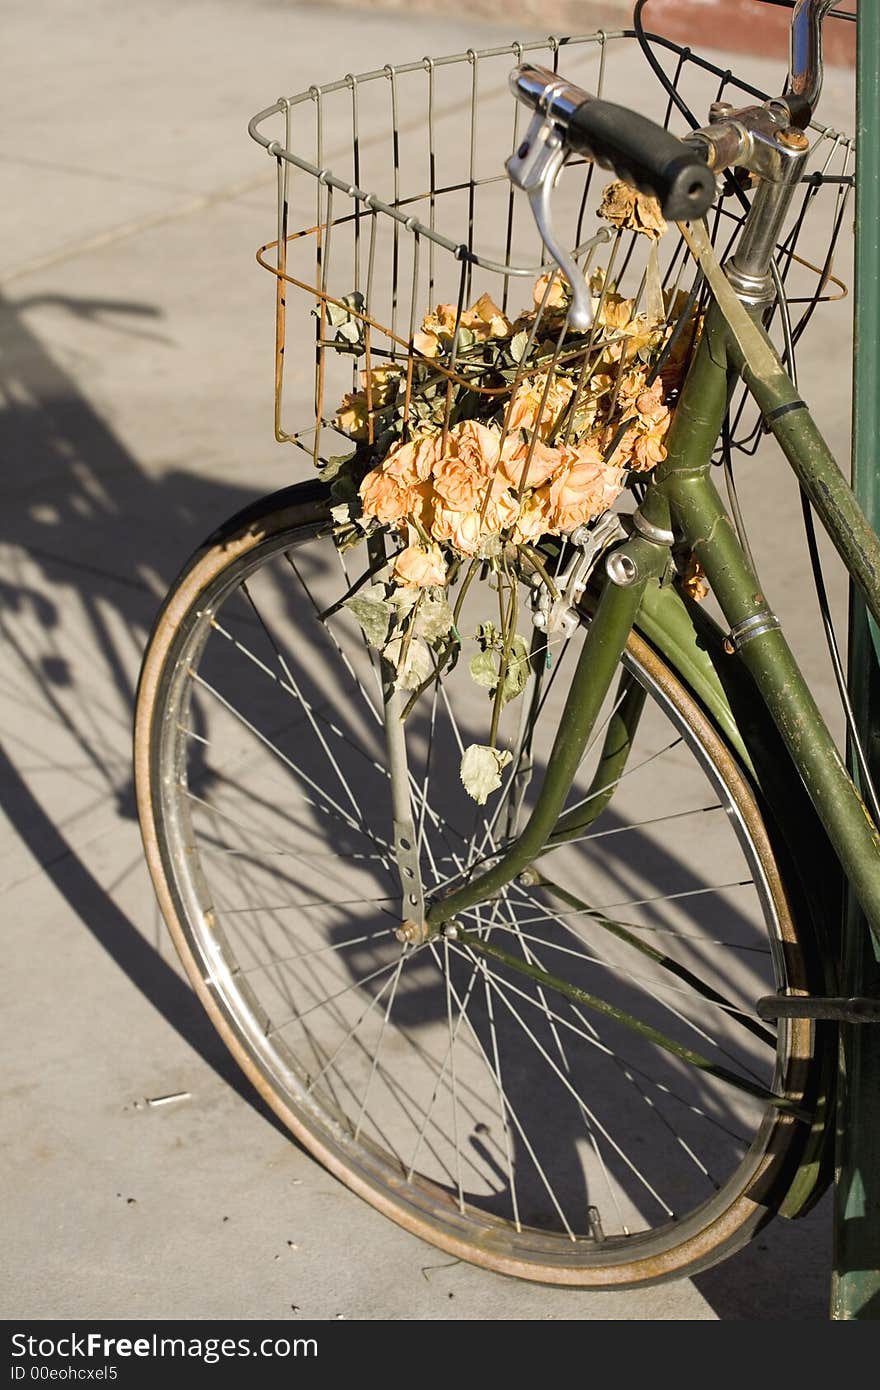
(395, 182)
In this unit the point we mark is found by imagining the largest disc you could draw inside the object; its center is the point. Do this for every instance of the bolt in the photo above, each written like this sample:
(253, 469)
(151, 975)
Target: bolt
(412, 933)
(450, 931)
(720, 111)
(793, 139)
(621, 569)
(529, 878)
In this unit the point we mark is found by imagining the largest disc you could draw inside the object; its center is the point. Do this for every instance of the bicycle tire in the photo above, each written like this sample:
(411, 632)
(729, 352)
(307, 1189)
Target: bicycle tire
(489, 1226)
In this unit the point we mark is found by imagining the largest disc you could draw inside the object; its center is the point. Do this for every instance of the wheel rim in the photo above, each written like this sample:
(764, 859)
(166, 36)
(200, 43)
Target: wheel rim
(455, 1141)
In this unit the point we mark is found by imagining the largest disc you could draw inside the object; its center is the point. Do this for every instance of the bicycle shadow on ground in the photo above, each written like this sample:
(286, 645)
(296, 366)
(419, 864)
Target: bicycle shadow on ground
(103, 540)
(75, 616)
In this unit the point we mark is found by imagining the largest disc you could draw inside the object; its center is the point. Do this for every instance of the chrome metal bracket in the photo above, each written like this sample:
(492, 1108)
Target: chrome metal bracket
(558, 615)
(534, 168)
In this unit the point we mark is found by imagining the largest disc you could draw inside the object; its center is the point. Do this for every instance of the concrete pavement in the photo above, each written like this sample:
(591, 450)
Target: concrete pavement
(136, 357)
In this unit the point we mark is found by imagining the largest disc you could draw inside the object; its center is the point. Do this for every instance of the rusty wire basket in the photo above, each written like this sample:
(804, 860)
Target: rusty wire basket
(394, 182)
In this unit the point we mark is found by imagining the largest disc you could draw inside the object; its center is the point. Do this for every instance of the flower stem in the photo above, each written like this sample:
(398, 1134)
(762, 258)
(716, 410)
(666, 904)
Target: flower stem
(537, 563)
(508, 627)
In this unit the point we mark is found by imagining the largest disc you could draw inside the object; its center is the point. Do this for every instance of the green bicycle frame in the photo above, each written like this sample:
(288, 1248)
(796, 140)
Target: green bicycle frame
(683, 500)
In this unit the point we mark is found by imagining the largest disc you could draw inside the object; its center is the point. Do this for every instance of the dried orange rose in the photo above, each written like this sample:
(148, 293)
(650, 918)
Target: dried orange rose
(380, 383)
(437, 328)
(423, 500)
(420, 566)
(477, 446)
(385, 497)
(426, 344)
(584, 487)
(502, 509)
(534, 516)
(486, 320)
(554, 285)
(632, 385)
(352, 416)
(531, 411)
(379, 388)
(459, 487)
(648, 451)
(616, 312)
(463, 530)
(412, 462)
(527, 461)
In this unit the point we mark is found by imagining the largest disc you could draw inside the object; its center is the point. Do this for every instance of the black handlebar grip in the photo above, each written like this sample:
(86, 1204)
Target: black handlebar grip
(645, 155)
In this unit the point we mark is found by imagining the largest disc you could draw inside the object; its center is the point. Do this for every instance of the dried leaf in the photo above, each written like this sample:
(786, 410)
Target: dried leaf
(434, 619)
(413, 664)
(481, 769)
(346, 318)
(517, 673)
(694, 581)
(624, 207)
(373, 612)
(404, 597)
(483, 667)
(333, 465)
(518, 344)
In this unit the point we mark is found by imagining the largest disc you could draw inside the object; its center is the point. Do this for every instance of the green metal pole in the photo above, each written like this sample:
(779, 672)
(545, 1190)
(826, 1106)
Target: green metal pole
(855, 1290)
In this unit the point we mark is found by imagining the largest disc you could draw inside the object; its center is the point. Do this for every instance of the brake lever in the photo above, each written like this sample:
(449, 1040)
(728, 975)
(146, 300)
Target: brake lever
(534, 168)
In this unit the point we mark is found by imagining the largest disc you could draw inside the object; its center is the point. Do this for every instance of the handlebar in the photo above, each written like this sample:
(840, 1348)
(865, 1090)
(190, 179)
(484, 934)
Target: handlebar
(638, 150)
(680, 175)
(804, 83)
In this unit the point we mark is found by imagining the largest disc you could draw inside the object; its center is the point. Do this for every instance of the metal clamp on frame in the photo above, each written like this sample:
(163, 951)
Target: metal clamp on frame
(750, 628)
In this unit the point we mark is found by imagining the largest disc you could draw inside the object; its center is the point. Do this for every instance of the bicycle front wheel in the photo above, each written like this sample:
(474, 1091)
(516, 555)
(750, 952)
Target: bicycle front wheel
(576, 1088)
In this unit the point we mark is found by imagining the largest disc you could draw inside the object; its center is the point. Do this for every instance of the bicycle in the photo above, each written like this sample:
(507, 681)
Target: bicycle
(554, 1016)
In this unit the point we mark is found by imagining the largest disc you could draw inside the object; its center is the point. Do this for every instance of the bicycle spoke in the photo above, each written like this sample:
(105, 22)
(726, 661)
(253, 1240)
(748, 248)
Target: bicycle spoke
(316, 951)
(730, 1009)
(332, 805)
(304, 907)
(631, 1072)
(452, 1073)
(292, 689)
(518, 1126)
(630, 1021)
(663, 1003)
(577, 1097)
(356, 984)
(531, 958)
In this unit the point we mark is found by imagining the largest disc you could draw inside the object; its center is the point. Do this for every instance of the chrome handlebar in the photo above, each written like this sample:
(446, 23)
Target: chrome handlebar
(804, 83)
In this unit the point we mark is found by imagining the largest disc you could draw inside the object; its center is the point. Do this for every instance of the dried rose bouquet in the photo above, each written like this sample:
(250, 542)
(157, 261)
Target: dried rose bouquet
(492, 434)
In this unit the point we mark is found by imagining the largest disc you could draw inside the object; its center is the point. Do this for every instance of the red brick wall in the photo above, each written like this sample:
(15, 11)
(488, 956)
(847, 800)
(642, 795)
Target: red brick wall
(746, 26)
